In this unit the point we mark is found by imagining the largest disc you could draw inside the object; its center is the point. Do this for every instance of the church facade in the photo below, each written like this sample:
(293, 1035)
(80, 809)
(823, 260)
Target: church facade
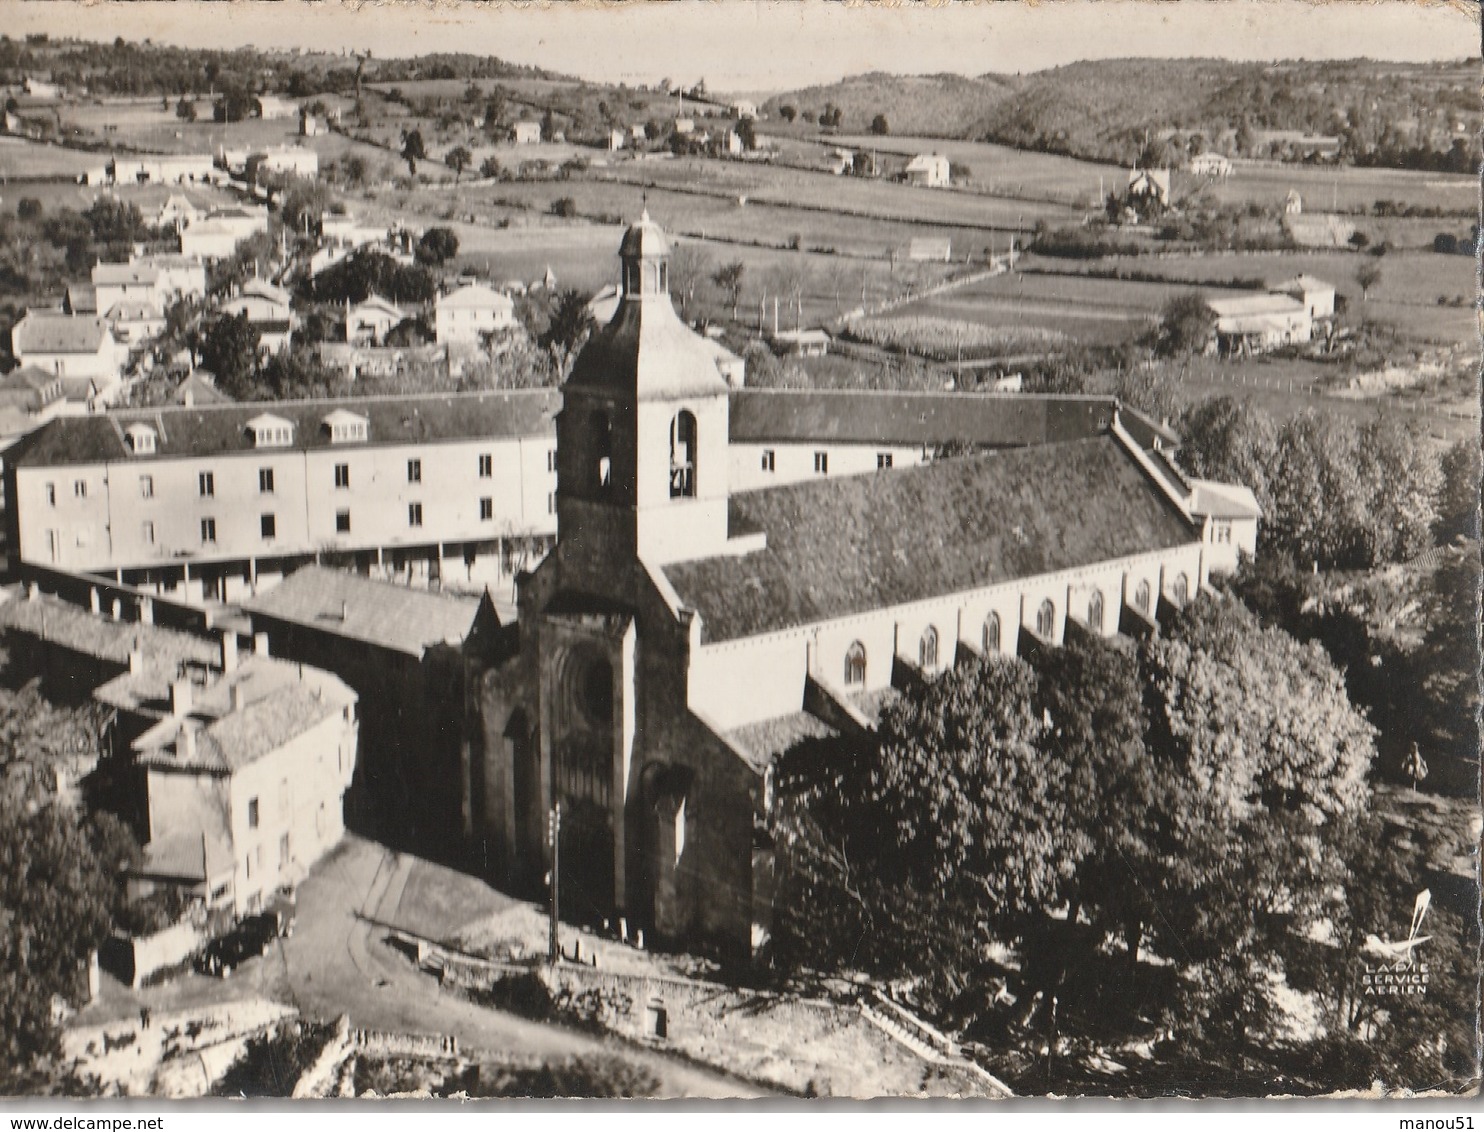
(696, 617)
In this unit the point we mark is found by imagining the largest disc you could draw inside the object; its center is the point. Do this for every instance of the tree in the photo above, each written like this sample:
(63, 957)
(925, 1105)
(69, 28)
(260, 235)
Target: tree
(879, 125)
(28, 209)
(1400, 481)
(489, 168)
(690, 266)
(59, 881)
(303, 203)
(1264, 759)
(564, 207)
(458, 159)
(1231, 440)
(1186, 325)
(788, 113)
(747, 132)
(728, 277)
(568, 327)
(1367, 275)
(185, 109)
(437, 246)
(1458, 501)
(230, 351)
(413, 149)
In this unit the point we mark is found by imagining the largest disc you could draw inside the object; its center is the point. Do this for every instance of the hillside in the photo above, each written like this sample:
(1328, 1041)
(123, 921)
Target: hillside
(1409, 115)
(945, 106)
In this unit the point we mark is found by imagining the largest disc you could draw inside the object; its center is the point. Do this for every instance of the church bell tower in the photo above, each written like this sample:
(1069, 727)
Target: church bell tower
(642, 435)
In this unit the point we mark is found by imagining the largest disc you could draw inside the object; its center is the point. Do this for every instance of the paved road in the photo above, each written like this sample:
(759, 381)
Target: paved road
(337, 962)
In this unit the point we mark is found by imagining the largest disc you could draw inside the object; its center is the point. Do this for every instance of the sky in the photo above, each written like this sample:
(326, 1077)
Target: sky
(748, 45)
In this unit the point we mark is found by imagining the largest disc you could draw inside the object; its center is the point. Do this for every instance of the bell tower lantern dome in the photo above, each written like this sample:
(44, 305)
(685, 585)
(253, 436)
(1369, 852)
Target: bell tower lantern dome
(645, 254)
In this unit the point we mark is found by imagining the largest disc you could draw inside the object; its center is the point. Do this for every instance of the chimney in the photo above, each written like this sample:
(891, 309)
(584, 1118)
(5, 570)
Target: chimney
(118, 610)
(239, 697)
(94, 605)
(146, 611)
(33, 592)
(344, 610)
(260, 644)
(180, 696)
(136, 658)
(229, 652)
(185, 743)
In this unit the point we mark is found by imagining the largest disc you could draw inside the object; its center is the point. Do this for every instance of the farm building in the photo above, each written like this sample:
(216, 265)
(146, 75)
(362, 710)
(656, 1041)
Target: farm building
(290, 160)
(617, 139)
(269, 106)
(930, 249)
(368, 322)
(685, 125)
(811, 343)
(928, 169)
(526, 133)
(1293, 203)
(742, 108)
(1317, 296)
(1149, 184)
(217, 234)
(1210, 165)
(1252, 324)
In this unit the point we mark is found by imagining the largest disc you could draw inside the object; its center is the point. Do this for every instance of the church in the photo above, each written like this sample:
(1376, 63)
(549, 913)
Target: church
(705, 607)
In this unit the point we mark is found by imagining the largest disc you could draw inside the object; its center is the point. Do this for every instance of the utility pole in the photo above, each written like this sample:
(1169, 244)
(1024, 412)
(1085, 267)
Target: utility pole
(553, 946)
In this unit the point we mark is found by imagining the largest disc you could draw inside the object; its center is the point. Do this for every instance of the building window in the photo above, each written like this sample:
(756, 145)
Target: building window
(269, 525)
(822, 463)
(683, 455)
(769, 460)
(146, 487)
(80, 488)
(1095, 611)
(551, 503)
(855, 665)
(486, 465)
(342, 522)
(883, 460)
(486, 509)
(147, 533)
(265, 481)
(1046, 619)
(414, 514)
(206, 482)
(927, 650)
(283, 852)
(1141, 597)
(252, 813)
(551, 459)
(992, 634)
(208, 531)
(1181, 589)
(342, 475)
(414, 471)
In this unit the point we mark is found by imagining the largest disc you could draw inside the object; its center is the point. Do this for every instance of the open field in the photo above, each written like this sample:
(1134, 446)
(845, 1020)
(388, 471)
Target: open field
(1093, 311)
(20, 158)
(1344, 187)
(998, 169)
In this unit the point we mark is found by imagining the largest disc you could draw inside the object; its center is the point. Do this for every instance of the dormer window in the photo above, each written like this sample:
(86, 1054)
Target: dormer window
(346, 427)
(268, 431)
(141, 439)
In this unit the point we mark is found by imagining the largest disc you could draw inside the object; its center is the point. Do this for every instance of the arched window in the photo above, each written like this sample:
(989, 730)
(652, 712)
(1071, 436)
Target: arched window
(855, 664)
(927, 650)
(1046, 619)
(1181, 589)
(1095, 611)
(992, 634)
(1141, 597)
(683, 455)
(602, 451)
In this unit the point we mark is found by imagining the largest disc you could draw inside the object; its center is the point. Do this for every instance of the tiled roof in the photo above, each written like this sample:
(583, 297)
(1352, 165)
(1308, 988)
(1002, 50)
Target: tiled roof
(119, 274)
(852, 544)
(52, 332)
(200, 389)
(222, 429)
(475, 296)
(51, 619)
(1223, 500)
(192, 854)
(1254, 305)
(350, 605)
(846, 416)
(767, 740)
